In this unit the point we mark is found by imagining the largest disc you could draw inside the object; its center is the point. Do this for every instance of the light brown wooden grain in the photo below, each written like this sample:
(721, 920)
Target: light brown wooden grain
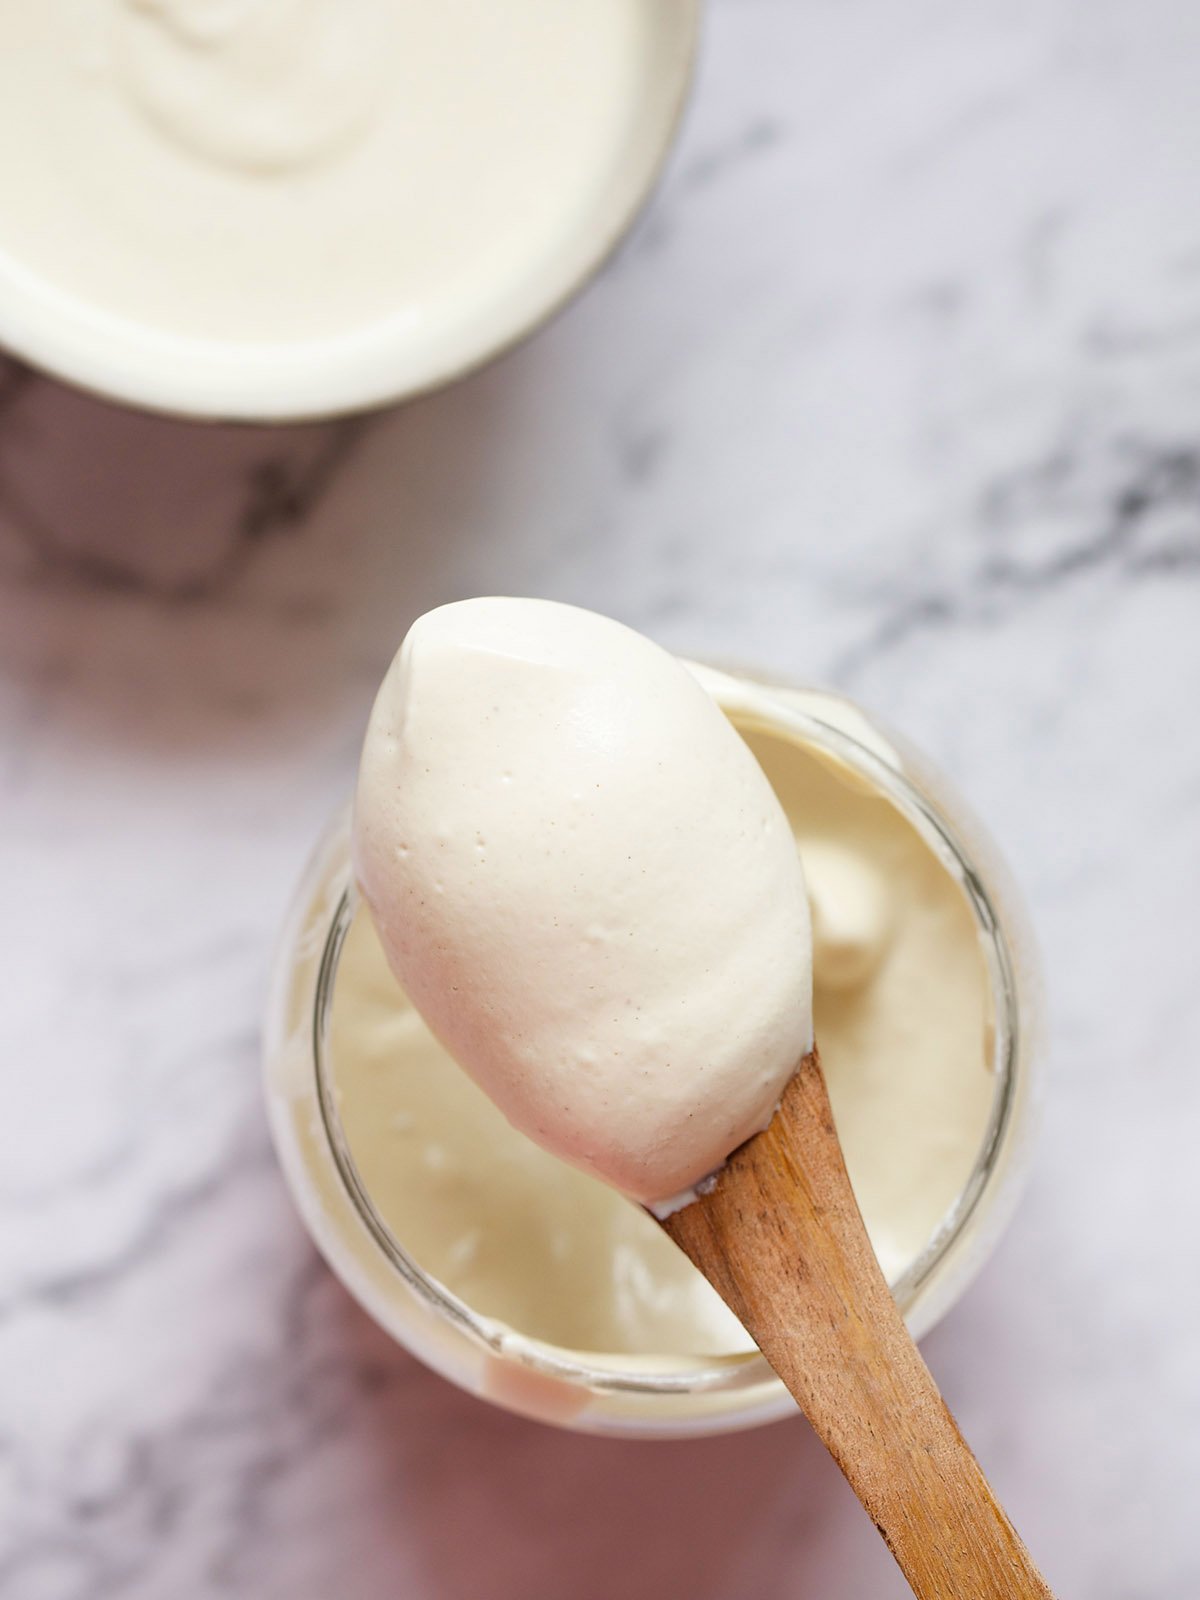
(781, 1239)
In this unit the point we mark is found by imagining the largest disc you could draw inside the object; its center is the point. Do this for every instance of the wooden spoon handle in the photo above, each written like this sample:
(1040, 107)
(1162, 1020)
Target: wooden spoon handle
(781, 1238)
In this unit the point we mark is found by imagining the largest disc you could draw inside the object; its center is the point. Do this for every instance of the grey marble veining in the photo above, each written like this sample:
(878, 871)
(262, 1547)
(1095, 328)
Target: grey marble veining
(896, 385)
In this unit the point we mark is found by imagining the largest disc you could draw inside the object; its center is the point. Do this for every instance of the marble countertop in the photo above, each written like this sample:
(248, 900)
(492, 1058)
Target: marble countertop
(896, 386)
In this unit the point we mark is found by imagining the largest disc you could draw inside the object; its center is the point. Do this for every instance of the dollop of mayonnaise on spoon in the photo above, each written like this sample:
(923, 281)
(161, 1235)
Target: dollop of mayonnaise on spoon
(588, 888)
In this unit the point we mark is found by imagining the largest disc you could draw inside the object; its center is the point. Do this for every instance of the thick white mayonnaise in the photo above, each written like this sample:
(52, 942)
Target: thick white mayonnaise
(587, 887)
(287, 170)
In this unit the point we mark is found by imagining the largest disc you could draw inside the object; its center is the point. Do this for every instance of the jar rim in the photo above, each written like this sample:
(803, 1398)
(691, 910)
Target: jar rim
(748, 1370)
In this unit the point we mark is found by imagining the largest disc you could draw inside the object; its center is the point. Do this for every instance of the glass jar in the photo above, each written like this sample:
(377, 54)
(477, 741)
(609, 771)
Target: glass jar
(658, 1396)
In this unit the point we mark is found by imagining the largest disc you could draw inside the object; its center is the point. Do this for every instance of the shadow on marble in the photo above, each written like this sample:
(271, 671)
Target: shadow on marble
(171, 585)
(433, 1485)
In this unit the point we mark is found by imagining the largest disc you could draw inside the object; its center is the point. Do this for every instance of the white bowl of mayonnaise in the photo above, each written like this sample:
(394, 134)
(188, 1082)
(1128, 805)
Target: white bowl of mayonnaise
(278, 209)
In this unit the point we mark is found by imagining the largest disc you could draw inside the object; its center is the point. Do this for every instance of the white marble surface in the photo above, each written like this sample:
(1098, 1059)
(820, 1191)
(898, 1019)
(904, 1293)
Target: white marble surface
(896, 386)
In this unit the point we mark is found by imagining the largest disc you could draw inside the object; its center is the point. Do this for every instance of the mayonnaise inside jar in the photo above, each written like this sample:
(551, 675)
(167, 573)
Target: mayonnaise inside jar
(902, 1018)
(285, 208)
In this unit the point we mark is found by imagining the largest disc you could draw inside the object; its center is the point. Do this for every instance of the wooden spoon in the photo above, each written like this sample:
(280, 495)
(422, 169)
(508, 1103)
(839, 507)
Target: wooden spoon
(781, 1239)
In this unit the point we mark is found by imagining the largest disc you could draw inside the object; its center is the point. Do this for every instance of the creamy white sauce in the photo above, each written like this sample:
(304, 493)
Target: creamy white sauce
(902, 1019)
(294, 169)
(527, 835)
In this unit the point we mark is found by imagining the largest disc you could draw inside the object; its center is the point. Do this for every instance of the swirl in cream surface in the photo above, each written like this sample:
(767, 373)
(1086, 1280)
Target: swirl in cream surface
(256, 85)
